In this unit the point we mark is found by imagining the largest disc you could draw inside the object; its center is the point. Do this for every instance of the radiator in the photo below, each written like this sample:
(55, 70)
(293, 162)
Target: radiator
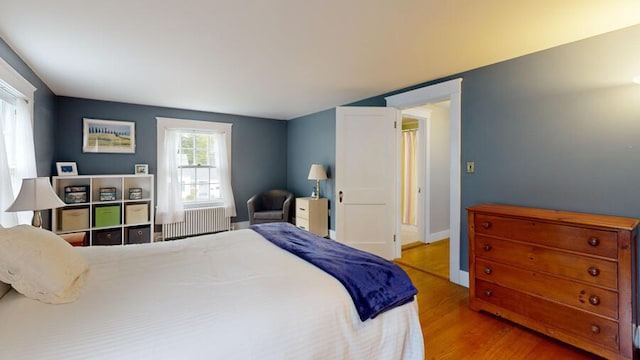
(196, 222)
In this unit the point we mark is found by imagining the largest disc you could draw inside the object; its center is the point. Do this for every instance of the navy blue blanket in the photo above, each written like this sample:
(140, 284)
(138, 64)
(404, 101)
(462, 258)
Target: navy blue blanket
(375, 284)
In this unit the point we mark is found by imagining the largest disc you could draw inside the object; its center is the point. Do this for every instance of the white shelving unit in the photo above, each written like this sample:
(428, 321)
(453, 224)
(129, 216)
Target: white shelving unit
(121, 221)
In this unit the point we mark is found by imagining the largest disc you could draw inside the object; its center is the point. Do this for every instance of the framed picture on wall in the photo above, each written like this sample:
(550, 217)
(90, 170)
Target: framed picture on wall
(108, 136)
(67, 168)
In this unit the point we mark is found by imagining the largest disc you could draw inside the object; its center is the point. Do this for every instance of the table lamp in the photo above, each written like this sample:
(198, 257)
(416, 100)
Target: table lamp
(317, 173)
(36, 194)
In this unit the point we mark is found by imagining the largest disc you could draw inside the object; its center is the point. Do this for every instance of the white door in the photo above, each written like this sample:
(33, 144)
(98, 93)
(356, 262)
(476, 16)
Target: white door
(367, 175)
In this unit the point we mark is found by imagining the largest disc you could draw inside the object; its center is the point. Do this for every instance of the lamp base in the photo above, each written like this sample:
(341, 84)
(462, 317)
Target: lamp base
(37, 219)
(317, 190)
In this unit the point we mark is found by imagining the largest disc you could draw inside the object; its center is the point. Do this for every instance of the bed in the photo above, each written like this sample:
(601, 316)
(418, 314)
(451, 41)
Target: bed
(232, 295)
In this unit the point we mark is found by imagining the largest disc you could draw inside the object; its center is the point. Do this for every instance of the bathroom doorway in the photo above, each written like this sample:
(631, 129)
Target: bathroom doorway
(425, 182)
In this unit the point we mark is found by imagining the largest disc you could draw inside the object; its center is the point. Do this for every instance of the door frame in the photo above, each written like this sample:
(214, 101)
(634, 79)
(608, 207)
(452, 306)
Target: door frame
(448, 90)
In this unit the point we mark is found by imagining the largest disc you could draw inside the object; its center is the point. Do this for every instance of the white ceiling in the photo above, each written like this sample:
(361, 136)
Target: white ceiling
(282, 58)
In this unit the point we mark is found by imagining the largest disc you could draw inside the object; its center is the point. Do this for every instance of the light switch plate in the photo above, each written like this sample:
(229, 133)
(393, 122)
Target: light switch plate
(471, 167)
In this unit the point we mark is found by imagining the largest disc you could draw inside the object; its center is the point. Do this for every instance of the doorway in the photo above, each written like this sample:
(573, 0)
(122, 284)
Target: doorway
(410, 186)
(452, 91)
(425, 192)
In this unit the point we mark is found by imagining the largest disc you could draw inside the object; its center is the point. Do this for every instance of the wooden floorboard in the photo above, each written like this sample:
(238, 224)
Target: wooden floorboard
(452, 330)
(432, 258)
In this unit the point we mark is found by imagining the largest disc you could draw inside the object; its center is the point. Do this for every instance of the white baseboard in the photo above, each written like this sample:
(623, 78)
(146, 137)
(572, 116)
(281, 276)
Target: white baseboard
(240, 225)
(440, 235)
(463, 278)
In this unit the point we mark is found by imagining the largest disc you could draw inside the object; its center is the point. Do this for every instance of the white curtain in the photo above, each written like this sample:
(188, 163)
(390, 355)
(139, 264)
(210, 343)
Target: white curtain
(225, 174)
(17, 158)
(7, 219)
(170, 208)
(409, 177)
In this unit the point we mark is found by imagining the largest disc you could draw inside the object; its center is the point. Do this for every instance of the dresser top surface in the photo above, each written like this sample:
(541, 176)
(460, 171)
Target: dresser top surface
(606, 221)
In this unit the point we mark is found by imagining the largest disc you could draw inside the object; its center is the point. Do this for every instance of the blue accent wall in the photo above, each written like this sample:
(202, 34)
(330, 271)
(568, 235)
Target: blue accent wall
(259, 146)
(556, 129)
(312, 140)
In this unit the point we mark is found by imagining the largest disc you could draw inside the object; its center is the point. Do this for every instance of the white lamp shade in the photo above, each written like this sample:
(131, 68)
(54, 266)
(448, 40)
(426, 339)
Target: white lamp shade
(36, 194)
(317, 172)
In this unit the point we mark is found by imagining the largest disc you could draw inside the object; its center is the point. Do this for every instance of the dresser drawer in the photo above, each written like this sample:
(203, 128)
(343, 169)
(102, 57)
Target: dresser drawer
(302, 223)
(591, 270)
(581, 239)
(581, 323)
(580, 295)
(302, 209)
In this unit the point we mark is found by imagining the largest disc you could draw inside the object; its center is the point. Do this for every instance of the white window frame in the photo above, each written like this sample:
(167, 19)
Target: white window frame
(197, 125)
(9, 76)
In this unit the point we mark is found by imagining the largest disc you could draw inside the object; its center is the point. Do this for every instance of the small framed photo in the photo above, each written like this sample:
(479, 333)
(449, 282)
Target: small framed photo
(141, 169)
(67, 168)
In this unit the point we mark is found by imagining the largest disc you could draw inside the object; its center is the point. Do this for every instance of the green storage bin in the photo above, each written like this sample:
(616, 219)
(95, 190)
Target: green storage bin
(108, 215)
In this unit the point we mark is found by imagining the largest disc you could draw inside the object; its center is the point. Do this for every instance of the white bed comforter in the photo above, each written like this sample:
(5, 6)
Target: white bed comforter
(232, 295)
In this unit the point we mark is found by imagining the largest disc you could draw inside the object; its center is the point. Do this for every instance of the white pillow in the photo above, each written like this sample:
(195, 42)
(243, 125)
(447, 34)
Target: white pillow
(40, 265)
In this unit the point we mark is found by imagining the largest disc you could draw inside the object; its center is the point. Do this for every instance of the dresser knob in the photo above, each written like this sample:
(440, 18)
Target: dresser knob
(594, 241)
(486, 247)
(594, 300)
(487, 270)
(486, 224)
(594, 271)
(488, 293)
(595, 329)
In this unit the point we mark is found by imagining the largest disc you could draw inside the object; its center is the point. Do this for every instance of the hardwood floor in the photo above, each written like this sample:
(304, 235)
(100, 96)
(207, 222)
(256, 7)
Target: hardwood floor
(452, 330)
(432, 258)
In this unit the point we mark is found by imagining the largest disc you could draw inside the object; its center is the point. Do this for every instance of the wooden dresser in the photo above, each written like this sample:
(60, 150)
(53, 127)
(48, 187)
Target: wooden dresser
(568, 275)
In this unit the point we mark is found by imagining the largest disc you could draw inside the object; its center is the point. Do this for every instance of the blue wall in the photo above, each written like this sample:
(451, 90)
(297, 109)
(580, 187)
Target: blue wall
(556, 129)
(312, 140)
(259, 146)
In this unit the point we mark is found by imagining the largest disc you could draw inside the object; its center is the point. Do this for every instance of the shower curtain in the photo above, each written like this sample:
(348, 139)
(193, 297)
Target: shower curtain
(409, 177)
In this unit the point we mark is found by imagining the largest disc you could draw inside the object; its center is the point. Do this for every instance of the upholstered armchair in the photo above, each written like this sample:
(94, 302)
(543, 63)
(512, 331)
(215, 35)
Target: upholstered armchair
(270, 206)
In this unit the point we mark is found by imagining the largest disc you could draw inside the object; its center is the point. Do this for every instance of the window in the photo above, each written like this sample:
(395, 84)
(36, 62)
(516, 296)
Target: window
(194, 160)
(198, 170)
(8, 118)
(17, 151)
